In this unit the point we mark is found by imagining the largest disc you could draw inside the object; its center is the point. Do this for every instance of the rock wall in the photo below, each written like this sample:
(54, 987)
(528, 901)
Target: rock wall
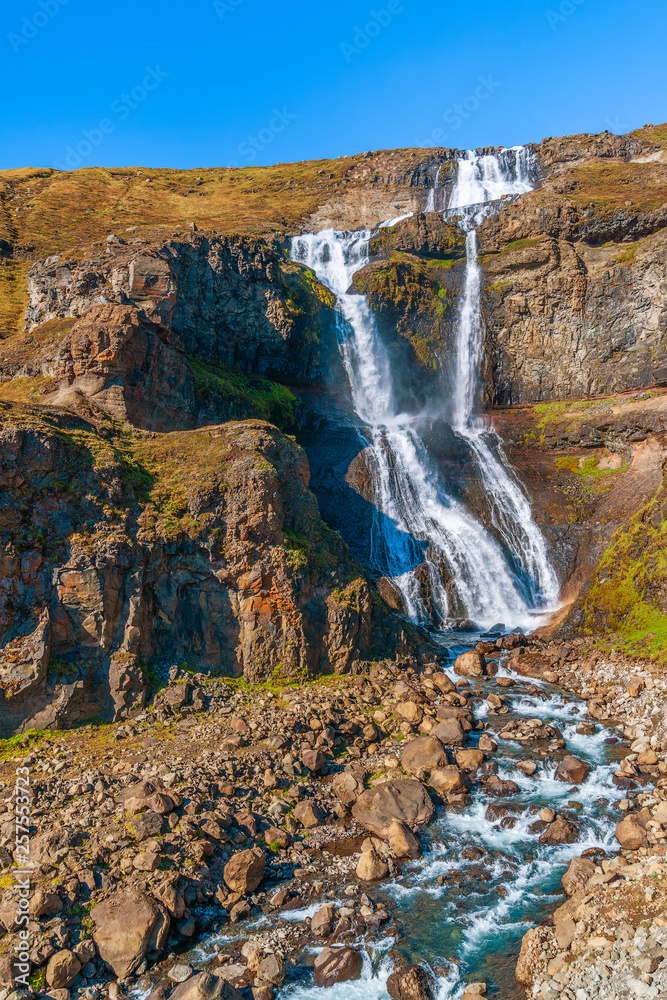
(202, 547)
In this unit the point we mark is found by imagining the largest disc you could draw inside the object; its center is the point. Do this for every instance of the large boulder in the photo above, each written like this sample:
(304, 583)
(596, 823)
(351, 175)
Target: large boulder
(337, 965)
(204, 986)
(50, 848)
(371, 866)
(450, 733)
(577, 875)
(561, 831)
(245, 870)
(631, 834)
(470, 664)
(309, 814)
(423, 754)
(347, 787)
(572, 770)
(410, 983)
(443, 683)
(402, 840)
(501, 788)
(127, 926)
(404, 799)
(63, 967)
(449, 779)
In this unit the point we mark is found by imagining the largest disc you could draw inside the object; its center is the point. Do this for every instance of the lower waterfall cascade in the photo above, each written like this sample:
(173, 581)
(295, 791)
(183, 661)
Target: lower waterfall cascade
(512, 582)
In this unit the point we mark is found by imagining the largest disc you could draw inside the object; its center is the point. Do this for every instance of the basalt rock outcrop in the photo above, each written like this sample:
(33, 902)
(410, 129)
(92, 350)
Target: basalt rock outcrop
(122, 550)
(174, 334)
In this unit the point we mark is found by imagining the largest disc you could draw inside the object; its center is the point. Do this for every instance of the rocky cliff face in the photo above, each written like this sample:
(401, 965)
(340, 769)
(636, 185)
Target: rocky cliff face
(160, 326)
(203, 547)
(141, 526)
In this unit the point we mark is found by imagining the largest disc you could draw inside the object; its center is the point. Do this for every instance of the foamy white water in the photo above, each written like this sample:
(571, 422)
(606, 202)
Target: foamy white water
(482, 180)
(465, 571)
(431, 527)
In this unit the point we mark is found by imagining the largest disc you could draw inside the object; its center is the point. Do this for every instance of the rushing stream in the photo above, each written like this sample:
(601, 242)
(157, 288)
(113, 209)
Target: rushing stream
(484, 878)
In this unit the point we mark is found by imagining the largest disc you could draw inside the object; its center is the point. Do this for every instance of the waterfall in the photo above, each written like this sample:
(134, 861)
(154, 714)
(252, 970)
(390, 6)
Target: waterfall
(430, 201)
(482, 180)
(443, 560)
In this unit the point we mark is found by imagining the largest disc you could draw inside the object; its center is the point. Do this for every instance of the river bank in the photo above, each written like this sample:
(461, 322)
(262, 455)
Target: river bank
(411, 814)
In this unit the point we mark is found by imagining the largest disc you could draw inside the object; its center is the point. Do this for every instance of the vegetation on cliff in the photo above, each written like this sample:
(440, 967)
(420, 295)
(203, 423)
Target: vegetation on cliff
(625, 605)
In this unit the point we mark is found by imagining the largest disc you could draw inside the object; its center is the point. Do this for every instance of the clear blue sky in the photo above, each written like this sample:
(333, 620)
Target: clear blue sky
(233, 82)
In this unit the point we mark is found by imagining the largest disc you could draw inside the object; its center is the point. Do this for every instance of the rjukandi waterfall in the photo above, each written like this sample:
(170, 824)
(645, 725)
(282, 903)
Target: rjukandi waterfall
(488, 870)
(496, 577)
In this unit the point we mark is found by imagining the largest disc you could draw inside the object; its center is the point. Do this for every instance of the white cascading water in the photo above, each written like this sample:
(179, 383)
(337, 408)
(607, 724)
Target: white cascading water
(416, 521)
(433, 194)
(481, 181)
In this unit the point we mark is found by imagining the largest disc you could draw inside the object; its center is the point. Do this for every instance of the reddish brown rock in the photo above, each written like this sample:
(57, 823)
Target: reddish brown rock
(572, 770)
(410, 983)
(63, 967)
(337, 965)
(423, 754)
(631, 834)
(577, 875)
(309, 814)
(402, 798)
(559, 832)
(470, 664)
(450, 733)
(245, 870)
(127, 926)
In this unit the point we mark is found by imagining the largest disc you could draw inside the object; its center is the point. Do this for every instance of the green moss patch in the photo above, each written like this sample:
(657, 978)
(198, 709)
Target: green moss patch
(256, 396)
(626, 603)
(594, 478)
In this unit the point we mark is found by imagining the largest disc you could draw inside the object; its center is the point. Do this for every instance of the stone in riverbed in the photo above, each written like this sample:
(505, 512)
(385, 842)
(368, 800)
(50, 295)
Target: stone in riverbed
(470, 664)
(410, 983)
(469, 760)
(371, 866)
(272, 970)
(572, 770)
(630, 833)
(204, 986)
(401, 798)
(423, 754)
(322, 923)
(577, 875)
(403, 841)
(501, 788)
(443, 683)
(449, 732)
(487, 744)
(337, 965)
(559, 832)
(528, 767)
(245, 870)
(449, 779)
